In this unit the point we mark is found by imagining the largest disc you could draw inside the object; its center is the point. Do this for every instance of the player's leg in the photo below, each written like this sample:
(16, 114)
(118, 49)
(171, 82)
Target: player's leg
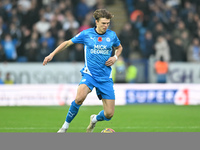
(105, 93)
(82, 93)
(106, 114)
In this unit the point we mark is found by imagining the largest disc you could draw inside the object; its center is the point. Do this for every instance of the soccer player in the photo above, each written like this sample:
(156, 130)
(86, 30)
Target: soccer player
(98, 43)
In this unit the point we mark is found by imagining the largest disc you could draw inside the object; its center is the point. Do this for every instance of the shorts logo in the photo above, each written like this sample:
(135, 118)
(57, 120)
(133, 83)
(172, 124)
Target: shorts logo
(83, 80)
(108, 39)
(99, 39)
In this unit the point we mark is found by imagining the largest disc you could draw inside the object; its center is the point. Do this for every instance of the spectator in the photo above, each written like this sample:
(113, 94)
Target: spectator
(144, 7)
(157, 10)
(148, 48)
(58, 15)
(188, 7)
(162, 49)
(151, 24)
(44, 51)
(131, 73)
(81, 11)
(91, 3)
(2, 28)
(32, 50)
(158, 30)
(129, 6)
(32, 14)
(185, 40)
(177, 51)
(26, 34)
(8, 9)
(8, 79)
(119, 71)
(161, 69)
(190, 23)
(25, 4)
(126, 36)
(136, 52)
(197, 29)
(61, 35)
(2, 12)
(193, 53)
(42, 25)
(64, 55)
(69, 6)
(49, 39)
(1, 80)
(99, 5)
(198, 33)
(85, 25)
(179, 30)
(9, 46)
(35, 36)
(55, 26)
(48, 14)
(15, 32)
(2, 54)
(79, 53)
(70, 22)
(172, 3)
(171, 25)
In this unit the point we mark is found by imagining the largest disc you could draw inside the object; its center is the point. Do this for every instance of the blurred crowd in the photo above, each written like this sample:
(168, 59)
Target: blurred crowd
(162, 28)
(31, 29)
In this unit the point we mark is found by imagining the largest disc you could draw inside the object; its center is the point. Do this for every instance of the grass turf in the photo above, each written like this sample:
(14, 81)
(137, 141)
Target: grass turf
(129, 118)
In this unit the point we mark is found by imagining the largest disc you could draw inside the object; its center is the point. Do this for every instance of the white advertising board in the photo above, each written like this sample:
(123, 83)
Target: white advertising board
(45, 94)
(184, 73)
(64, 94)
(36, 73)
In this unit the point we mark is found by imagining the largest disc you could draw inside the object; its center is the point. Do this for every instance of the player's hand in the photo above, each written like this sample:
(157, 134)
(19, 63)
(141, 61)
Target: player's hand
(110, 61)
(47, 59)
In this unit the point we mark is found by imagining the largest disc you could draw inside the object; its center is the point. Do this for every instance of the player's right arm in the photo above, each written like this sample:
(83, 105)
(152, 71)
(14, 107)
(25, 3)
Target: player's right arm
(60, 48)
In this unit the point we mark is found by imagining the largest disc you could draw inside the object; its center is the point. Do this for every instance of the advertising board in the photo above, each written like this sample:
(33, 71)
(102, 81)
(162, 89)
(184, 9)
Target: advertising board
(64, 94)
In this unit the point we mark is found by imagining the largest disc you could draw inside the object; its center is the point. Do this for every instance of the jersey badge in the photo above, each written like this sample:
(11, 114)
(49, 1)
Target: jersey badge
(108, 39)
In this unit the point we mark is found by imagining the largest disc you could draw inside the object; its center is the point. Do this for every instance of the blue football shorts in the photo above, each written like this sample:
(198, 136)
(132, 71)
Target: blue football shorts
(104, 90)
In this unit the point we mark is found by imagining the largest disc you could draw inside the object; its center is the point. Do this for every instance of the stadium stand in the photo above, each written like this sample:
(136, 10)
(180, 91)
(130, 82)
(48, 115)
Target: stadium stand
(33, 25)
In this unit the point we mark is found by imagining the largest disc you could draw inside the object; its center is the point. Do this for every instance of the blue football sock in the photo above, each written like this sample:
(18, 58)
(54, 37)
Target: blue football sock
(73, 110)
(101, 117)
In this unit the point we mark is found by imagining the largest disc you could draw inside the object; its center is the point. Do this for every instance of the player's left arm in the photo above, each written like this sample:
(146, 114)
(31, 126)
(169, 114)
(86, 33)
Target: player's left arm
(113, 59)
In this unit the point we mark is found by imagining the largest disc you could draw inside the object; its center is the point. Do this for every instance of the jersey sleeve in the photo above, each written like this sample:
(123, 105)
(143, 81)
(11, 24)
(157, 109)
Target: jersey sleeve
(79, 38)
(116, 41)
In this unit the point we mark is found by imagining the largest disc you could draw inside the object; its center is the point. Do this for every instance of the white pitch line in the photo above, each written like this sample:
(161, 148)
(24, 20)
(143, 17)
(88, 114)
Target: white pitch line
(43, 128)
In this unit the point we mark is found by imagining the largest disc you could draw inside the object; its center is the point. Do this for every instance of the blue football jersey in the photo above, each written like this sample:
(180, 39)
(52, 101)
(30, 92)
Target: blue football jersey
(97, 50)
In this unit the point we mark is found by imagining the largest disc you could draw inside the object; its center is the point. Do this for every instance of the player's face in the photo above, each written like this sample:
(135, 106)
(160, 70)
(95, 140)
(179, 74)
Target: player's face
(102, 25)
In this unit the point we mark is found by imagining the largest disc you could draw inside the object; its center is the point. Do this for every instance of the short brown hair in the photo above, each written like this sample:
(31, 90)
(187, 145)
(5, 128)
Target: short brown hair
(102, 13)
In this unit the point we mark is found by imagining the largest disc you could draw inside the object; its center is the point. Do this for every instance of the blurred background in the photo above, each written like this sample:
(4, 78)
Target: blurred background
(160, 40)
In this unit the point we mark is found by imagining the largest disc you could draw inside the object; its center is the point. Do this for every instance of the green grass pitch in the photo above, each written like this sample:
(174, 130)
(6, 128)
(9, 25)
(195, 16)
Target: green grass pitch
(128, 118)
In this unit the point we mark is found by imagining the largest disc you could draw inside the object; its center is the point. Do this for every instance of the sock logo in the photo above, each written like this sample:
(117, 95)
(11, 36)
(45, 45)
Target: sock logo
(70, 114)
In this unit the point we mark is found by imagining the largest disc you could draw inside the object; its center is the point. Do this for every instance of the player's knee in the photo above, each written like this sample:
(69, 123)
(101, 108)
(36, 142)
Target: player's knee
(79, 101)
(109, 115)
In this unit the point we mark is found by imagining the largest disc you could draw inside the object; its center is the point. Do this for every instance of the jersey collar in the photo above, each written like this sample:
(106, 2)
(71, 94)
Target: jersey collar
(97, 32)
